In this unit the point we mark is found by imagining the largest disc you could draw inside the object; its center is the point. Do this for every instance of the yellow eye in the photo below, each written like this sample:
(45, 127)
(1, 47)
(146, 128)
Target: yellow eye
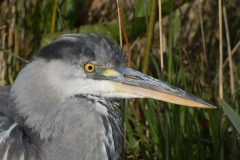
(89, 67)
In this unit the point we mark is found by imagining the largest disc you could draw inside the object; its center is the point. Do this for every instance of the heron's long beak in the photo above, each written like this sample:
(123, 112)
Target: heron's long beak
(130, 81)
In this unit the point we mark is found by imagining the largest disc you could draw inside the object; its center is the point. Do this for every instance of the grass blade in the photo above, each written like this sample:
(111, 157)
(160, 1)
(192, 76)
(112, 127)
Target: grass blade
(232, 115)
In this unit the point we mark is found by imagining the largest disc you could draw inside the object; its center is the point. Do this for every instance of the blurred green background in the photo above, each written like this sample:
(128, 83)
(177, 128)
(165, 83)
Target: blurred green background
(191, 56)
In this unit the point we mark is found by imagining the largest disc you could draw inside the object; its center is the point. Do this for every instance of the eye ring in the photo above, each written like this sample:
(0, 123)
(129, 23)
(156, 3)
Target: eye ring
(89, 67)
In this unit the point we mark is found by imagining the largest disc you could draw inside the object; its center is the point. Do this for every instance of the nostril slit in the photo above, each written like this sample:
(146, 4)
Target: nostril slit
(130, 77)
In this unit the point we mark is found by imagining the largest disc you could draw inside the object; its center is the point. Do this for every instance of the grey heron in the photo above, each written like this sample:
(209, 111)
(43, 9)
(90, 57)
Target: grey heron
(61, 107)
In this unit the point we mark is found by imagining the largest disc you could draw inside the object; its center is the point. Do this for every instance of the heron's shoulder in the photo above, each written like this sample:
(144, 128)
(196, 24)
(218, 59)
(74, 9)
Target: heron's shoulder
(14, 144)
(4, 94)
(6, 103)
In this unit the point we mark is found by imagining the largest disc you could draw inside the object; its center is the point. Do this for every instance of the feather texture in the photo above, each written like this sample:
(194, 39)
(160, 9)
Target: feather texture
(51, 114)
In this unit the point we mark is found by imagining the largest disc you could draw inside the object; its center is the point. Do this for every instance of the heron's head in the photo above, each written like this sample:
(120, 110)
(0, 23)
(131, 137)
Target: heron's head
(89, 64)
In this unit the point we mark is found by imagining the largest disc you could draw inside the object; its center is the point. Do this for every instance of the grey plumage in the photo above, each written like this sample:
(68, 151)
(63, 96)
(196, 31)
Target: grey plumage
(14, 144)
(60, 126)
(60, 106)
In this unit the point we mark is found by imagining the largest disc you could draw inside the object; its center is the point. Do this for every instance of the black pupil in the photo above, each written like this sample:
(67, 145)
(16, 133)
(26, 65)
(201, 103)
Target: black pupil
(90, 67)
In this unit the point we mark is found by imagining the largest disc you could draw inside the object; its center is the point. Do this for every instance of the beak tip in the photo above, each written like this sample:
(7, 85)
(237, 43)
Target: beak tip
(207, 106)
